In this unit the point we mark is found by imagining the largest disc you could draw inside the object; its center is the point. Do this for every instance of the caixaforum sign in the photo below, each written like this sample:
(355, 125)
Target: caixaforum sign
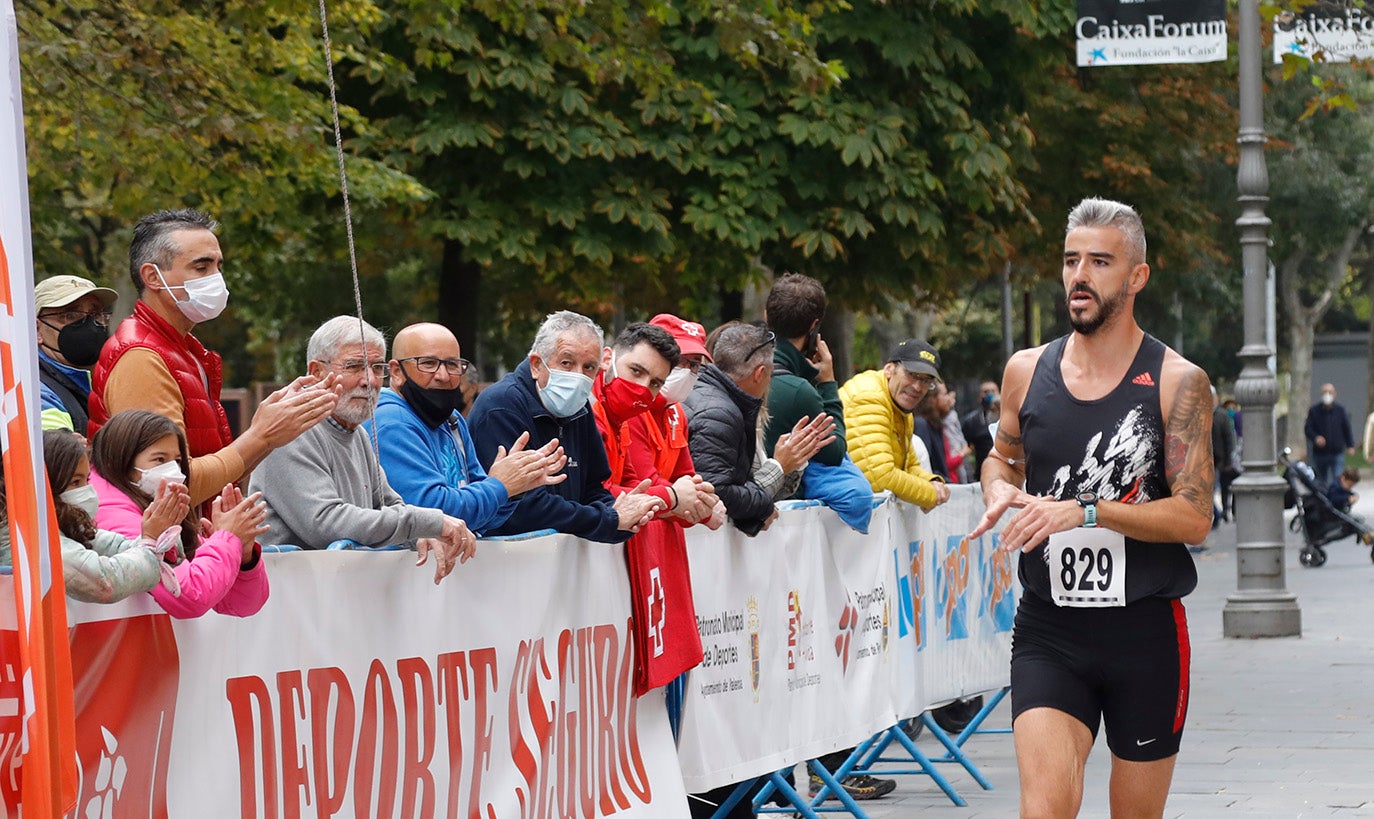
(1328, 32)
(1148, 32)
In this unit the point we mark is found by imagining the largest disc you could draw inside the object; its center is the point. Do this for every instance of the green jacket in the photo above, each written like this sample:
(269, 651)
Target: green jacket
(794, 393)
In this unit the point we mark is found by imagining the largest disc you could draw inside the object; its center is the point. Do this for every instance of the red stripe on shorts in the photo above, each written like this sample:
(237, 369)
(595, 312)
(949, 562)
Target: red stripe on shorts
(1184, 655)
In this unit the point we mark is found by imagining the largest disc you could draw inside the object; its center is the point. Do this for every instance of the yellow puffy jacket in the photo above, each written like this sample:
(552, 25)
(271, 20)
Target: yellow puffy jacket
(878, 435)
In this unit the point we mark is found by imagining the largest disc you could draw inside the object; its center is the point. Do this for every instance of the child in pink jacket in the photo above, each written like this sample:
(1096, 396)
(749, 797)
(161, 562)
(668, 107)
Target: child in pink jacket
(218, 563)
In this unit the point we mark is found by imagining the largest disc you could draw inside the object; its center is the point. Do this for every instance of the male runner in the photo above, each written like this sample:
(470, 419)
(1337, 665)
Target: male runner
(1110, 433)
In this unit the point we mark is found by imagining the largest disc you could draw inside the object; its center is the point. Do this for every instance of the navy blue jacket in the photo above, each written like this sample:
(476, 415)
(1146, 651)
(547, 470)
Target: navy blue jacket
(580, 505)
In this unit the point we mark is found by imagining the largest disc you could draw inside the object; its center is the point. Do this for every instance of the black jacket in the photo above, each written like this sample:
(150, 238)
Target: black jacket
(722, 436)
(1330, 423)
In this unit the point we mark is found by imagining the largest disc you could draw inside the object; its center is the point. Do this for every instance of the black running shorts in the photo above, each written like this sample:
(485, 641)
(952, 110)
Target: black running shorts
(1126, 666)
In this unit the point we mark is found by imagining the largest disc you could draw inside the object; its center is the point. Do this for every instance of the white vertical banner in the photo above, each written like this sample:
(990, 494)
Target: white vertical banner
(970, 600)
(818, 637)
(796, 625)
(1325, 31)
(1150, 32)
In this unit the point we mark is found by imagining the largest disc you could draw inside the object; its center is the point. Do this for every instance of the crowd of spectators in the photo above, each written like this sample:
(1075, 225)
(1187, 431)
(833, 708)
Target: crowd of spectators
(664, 424)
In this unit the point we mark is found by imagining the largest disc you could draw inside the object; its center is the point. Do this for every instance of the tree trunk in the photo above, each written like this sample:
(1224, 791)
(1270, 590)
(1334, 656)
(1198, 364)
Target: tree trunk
(1369, 359)
(837, 328)
(731, 304)
(460, 289)
(1300, 335)
(1303, 320)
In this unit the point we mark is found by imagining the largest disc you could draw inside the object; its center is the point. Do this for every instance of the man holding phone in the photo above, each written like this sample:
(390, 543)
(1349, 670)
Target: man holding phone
(804, 386)
(803, 370)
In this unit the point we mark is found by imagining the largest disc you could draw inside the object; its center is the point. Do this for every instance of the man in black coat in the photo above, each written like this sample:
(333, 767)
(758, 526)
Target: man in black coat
(1329, 438)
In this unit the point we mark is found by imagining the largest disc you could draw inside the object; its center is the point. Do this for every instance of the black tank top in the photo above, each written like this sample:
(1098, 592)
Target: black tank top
(1113, 446)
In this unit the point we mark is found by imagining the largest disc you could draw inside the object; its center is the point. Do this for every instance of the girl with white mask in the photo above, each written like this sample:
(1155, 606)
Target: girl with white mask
(139, 457)
(100, 566)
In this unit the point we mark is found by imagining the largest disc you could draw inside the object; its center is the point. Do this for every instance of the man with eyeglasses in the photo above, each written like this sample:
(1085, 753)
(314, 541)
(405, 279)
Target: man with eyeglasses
(73, 323)
(154, 362)
(426, 449)
(327, 484)
(878, 407)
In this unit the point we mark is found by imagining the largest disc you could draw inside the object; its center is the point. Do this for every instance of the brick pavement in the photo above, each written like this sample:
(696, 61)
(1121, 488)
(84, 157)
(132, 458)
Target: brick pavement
(1278, 728)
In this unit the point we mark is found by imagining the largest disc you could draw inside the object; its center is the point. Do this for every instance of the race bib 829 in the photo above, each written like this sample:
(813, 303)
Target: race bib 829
(1087, 568)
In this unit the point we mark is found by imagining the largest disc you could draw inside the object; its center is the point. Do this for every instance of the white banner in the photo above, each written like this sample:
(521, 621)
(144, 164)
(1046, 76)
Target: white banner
(1150, 32)
(1331, 32)
(818, 637)
(362, 689)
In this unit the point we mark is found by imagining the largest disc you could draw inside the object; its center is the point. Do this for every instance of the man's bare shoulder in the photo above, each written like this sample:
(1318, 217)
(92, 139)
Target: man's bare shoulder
(1180, 378)
(1020, 368)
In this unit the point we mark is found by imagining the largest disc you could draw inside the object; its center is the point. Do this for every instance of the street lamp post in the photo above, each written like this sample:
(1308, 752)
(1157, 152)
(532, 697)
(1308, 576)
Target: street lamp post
(1261, 606)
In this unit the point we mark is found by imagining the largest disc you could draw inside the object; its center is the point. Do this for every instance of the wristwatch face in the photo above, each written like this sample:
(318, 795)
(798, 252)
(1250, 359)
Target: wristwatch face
(1087, 498)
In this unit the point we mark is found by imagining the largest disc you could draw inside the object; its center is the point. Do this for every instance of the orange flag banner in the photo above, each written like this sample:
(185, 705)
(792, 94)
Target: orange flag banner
(47, 773)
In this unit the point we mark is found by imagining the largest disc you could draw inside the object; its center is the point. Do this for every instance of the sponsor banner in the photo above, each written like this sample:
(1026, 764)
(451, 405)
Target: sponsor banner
(1330, 32)
(362, 689)
(817, 637)
(1150, 32)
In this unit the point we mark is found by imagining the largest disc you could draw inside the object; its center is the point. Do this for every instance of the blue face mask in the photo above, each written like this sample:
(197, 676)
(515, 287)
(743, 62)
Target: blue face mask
(566, 393)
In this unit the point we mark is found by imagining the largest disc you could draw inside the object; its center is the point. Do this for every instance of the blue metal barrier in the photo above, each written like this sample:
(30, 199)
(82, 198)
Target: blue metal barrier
(355, 546)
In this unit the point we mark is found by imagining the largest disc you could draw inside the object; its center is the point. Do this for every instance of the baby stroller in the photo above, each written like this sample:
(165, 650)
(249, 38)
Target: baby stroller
(1319, 521)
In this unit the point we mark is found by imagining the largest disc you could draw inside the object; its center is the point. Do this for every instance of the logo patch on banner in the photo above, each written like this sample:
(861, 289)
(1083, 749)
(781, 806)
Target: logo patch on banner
(951, 586)
(999, 596)
(658, 611)
(849, 618)
(910, 590)
(753, 608)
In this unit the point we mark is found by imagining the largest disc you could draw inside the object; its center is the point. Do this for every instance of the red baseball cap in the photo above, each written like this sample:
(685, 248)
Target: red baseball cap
(690, 336)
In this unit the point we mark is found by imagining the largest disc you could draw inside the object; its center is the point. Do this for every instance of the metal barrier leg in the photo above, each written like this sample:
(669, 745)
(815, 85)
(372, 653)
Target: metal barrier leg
(896, 734)
(738, 794)
(796, 803)
(832, 784)
(672, 696)
(953, 753)
(975, 725)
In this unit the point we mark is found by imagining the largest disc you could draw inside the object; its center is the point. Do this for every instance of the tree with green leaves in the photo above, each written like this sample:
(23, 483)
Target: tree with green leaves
(133, 107)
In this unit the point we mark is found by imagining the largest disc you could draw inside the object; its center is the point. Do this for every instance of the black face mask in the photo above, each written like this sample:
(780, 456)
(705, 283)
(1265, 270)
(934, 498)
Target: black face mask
(80, 341)
(433, 406)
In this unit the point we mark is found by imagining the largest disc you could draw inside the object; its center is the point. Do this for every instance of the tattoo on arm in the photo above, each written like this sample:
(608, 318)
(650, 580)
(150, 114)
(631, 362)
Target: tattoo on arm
(1009, 440)
(1188, 443)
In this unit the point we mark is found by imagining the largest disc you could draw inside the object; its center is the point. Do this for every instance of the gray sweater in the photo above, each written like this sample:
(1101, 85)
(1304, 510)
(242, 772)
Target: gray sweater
(326, 485)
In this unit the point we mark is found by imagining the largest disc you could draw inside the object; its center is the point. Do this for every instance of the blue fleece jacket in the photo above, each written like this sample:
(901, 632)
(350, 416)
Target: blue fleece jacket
(580, 505)
(437, 468)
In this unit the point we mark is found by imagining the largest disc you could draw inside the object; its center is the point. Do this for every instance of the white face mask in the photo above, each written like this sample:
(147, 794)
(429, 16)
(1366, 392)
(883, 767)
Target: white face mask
(83, 498)
(565, 393)
(1328, 399)
(205, 297)
(150, 479)
(678, 385)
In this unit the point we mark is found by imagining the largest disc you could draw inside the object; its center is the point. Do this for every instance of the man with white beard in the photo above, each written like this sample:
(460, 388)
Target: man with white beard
(327, 485)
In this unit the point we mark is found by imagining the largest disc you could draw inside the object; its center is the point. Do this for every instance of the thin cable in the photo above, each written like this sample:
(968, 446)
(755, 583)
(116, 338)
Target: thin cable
(343, 173)
(348, 223)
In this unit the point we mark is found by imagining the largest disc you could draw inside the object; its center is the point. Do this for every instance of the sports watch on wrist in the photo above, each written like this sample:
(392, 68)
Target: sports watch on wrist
(1088, 500)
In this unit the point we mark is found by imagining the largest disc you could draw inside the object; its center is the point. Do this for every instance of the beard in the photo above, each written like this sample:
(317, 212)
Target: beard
(1106, 310)
(356, 406)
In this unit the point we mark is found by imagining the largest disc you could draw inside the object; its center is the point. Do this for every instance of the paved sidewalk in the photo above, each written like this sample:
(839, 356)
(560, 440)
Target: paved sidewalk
(1279, 728)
